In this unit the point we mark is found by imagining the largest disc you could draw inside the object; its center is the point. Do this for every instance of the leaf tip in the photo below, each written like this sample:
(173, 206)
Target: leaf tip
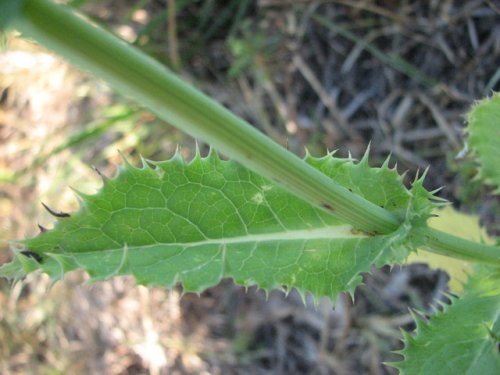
(103, 177)
(125, 163)
(385, 164)
(197, 153)
(177, 156)
(145, 164)
(366, 156)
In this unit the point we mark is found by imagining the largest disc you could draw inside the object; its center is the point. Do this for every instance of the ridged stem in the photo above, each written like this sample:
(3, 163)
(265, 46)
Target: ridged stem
(154, 86)
(446, 244)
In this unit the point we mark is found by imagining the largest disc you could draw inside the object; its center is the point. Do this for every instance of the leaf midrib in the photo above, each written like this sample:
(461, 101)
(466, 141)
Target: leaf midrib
(328, 232)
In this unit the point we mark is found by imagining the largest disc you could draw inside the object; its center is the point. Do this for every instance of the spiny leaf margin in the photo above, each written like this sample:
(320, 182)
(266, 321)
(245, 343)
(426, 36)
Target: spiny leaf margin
(484, 138)
(461, 338)
(324, 264)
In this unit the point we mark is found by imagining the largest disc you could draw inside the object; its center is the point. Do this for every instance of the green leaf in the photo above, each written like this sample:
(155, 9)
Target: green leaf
(484, 138)
(198, 222)
(464, 337)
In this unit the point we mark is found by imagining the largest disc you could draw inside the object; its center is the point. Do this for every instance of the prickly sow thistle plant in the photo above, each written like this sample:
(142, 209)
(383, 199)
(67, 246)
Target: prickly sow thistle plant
(265, 218)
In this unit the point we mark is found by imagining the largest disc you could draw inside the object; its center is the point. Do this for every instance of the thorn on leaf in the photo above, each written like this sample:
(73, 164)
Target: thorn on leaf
(54, 213)
(104, 177)
(31, 254)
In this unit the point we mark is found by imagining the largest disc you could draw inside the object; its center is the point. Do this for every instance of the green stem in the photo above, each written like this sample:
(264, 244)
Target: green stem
(446, 244)
(152, 85)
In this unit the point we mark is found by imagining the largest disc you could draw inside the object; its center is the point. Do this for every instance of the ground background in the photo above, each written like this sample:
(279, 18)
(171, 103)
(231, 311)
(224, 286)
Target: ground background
(318, 74)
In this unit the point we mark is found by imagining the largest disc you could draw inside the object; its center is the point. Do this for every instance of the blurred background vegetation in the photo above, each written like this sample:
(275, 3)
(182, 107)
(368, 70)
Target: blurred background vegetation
(320, 75)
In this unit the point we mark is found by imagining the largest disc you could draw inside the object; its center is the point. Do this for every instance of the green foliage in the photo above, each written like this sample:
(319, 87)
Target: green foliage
(195, 223)
(462, 338)
(484, 138)
(199, 222)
